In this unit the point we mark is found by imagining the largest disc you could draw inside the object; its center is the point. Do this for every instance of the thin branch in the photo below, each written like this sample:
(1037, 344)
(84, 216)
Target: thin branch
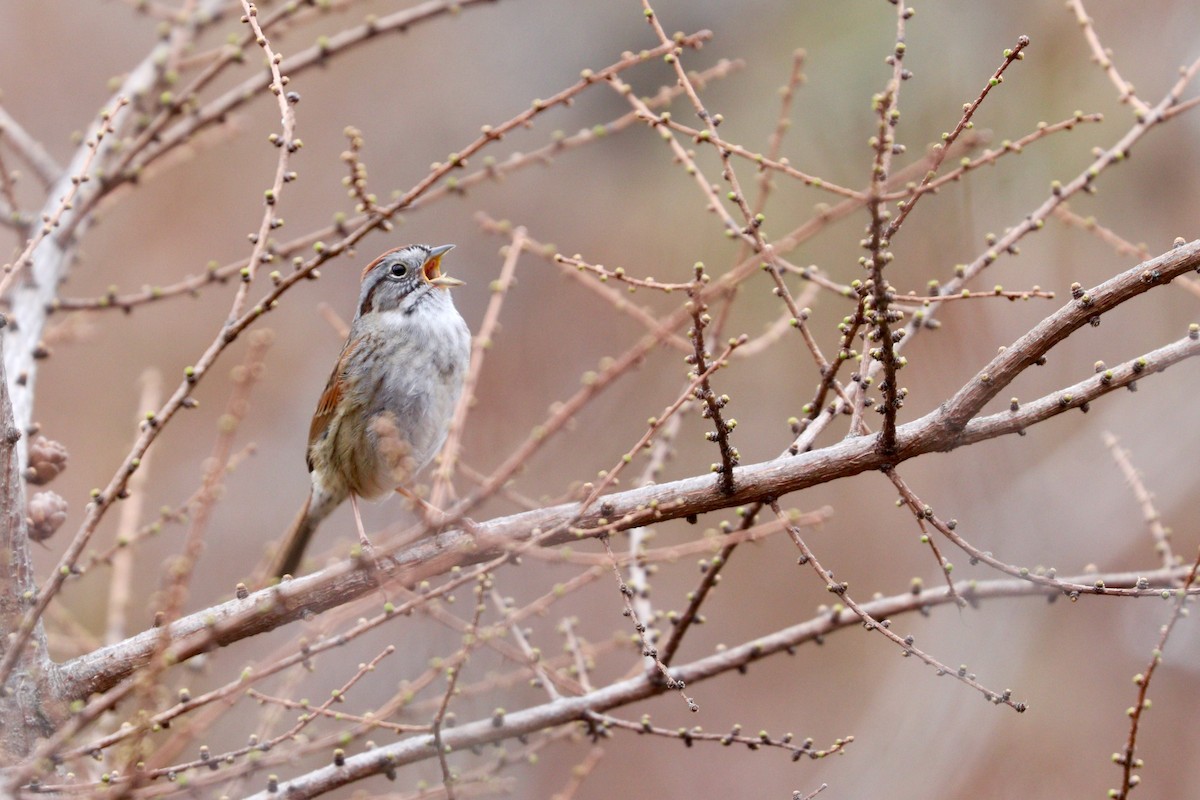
(1126, 759)
(871, 623)
(480, 344)
(1016, 53)
(658, 667)
(29, 149)
(713, 404)
(989, 157)
(618, 300)
(122, 559)
(878, 242)
(1110, 237)
(55, 218)
(1158, 532)
(996, 293)
(690, 736)
(765, 163)
(580, 773)
(1103, 57)
(533, 656)
(683, 622)
(287, 143)
(454, 671)
(775, 143)
(569, 709)
(921, 512)
(311, 714)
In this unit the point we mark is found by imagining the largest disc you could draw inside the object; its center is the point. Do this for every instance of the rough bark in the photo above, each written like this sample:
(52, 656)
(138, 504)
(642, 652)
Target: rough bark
(29, 702)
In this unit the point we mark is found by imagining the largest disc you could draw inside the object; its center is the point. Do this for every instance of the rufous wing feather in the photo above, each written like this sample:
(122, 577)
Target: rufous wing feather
(327, 406)
(286, 560)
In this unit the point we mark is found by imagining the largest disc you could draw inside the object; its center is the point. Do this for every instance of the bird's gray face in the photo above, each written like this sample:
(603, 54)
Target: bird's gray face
(404, 279)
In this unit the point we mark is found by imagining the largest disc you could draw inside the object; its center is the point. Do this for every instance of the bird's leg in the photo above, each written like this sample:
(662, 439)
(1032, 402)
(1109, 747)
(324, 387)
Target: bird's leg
(362, 532)
(375, 568)
(431, 515)
(358, 518)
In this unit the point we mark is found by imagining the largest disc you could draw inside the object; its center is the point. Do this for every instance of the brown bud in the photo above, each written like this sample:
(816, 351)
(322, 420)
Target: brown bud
(47, 458)
(47, 512)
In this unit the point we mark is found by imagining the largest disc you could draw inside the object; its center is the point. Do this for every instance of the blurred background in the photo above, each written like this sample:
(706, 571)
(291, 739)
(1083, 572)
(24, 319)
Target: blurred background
(1052, 498)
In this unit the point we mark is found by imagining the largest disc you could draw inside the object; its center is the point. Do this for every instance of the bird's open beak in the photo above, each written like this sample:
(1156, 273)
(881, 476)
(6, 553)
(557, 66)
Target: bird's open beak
(433, 268)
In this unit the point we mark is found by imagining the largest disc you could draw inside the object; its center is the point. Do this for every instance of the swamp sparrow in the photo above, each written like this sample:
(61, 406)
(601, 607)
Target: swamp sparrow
(387, 406)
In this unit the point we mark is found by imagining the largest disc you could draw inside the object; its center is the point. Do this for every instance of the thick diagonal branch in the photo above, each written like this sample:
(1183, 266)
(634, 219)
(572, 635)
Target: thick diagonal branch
(29, 701)
(271, 608)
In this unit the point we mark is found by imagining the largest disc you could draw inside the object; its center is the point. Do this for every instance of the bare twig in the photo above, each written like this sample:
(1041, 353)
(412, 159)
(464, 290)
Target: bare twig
(122, 560)
(689, 736)
(29, 149)
(569, 709)
(481, 343)
(921, 512)
(1158, 531)
(713, 404)
(1107, 235)
(883, 627)
(1016, 53)
(1103, 57)
(1126, 759)
(54, 219)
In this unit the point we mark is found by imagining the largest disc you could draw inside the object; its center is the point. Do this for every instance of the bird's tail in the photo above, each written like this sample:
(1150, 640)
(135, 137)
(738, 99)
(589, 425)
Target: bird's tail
(286, 559)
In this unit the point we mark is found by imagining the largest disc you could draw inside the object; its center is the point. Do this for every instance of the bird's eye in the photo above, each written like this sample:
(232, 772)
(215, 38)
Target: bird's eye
(399, 270)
